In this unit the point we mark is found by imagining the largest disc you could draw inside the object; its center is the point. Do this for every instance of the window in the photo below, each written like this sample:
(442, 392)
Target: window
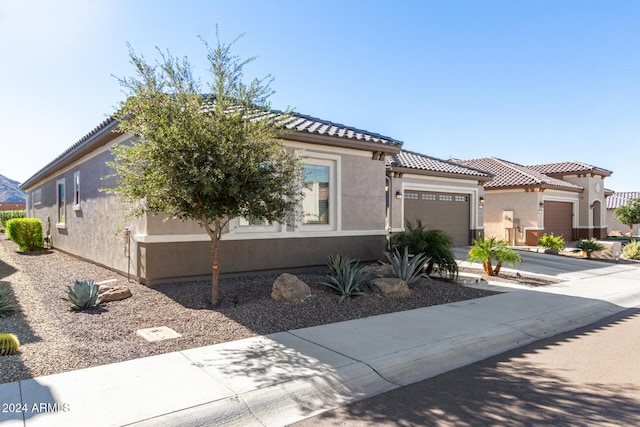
(316, 190)
(252, 222)
(460, 198)
(410, 195)
(430, 197)
(446, 198)
(60, 201)
(37, 197)
(76, 189)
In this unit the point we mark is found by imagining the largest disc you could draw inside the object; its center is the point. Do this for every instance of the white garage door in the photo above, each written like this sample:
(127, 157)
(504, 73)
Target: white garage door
(448, 212)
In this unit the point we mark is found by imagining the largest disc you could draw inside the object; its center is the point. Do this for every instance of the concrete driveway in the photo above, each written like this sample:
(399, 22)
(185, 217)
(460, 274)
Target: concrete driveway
(562, 267)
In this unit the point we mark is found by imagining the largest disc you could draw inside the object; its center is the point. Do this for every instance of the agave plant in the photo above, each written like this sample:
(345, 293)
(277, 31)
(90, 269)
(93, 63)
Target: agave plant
(405, 269)
(9, 344)
(83, 295)
(345, 276)
(7, 305)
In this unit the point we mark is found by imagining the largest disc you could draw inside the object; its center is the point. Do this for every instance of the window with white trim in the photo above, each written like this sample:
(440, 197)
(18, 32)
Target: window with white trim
(37, 197)
(76, 189)
(60, 194)
(319, 205)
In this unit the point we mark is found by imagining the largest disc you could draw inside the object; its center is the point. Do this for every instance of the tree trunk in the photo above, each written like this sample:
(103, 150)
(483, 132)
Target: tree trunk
(215, 267)
(496, 270)
(487, 267)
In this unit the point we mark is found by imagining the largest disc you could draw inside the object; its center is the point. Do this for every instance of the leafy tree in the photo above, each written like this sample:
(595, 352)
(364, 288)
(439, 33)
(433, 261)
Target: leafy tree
(629, 214)
(208, 158)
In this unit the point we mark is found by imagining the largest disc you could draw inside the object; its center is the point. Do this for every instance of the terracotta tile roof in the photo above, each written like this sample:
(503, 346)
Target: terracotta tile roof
(564, 168)
(616, 200)
(513, 175)
(412, 160)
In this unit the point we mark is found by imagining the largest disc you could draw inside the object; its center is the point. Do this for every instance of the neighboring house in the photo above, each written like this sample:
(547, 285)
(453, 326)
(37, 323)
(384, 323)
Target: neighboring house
(343, 212)
(614, 201)
(441, 194)
(525, 202)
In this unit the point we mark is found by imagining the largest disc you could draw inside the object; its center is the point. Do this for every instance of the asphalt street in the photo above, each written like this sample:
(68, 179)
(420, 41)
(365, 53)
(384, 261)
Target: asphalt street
(586, 377)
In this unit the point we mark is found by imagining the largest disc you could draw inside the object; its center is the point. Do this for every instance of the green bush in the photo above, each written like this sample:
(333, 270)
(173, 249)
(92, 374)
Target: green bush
(549, 241)
(7, 304)
(405, 269)
(7, 215)
(435, 244)
(83, 295)
(345, 276)
(632, 250)
(26, 232)
(589, 246)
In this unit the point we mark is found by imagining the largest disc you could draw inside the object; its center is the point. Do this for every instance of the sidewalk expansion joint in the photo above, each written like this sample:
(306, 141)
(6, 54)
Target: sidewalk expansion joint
(348, 357)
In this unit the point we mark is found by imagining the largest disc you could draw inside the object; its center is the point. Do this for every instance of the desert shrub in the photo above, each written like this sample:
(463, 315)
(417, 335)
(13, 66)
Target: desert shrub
(26, 232)
(404, 268)
(345, 276)
(5, 216)
(7, 303)
(549, 241)
(632, 250)
(83, 295)
(435, 244)
(589, 246)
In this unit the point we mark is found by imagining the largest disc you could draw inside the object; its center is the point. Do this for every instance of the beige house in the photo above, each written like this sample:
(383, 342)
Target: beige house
(342, 214)
(614, 201)
(441, 194)
(525, 202)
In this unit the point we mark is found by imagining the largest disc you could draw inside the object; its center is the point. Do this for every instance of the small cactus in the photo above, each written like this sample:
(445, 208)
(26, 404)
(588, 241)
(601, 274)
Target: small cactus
(9, 344)
(83, 295)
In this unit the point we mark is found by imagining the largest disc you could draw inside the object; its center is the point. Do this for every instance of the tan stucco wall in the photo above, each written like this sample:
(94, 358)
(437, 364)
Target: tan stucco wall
(525, 206)
(95, 229)
(593, 192)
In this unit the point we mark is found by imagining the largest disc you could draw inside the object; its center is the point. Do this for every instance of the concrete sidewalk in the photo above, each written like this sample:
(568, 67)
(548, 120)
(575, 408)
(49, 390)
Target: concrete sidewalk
(281, 378)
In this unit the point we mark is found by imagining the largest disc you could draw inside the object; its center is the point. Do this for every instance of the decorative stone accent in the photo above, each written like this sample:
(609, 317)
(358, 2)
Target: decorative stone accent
(390, 287)
(378, 270)
(110, 293)
(289, 288)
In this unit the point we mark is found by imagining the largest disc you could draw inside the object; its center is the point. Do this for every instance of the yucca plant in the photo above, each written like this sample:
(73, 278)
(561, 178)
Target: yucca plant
(7, 304)
(404, 268)
(9, 344)
(589, 246)
(345, 276)
(83, 295)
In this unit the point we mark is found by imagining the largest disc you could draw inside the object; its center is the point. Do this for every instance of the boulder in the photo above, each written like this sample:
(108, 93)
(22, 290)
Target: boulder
(110, 293)
(289, 288)
(390, 287)
(378, 270)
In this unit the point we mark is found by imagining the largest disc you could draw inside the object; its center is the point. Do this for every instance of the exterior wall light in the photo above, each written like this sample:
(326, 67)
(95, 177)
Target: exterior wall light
(541, 205)
(481, 199)
(398, 195)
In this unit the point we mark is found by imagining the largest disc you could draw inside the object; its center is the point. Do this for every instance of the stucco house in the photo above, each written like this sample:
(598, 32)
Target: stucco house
(522, 203)
(614, 201)
(441, 194)
(344, 214)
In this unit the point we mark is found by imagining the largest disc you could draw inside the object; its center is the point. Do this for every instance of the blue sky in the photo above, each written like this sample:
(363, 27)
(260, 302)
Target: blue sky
(527, 81)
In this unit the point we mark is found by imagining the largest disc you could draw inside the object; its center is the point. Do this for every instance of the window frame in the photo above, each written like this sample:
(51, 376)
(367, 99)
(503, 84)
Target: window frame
(76, 191)
(333, 162)
(61, 208)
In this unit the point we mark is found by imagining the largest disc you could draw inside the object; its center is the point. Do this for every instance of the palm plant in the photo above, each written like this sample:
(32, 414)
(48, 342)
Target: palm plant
(435, 244)
(589, 246)
(488, 250)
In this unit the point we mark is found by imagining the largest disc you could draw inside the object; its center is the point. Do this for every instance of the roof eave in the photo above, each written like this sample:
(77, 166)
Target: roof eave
(375, 147)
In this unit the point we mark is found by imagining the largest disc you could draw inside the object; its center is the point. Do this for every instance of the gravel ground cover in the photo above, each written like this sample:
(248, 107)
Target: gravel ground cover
(56, 339)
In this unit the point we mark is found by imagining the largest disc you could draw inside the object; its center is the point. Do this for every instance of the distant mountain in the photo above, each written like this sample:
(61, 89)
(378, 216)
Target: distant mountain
(10, 191)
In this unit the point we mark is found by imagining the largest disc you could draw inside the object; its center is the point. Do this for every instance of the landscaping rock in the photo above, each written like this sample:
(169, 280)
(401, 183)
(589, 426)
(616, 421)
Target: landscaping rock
(378, 270)
(110, 293)
(289, 288)
(390, 287)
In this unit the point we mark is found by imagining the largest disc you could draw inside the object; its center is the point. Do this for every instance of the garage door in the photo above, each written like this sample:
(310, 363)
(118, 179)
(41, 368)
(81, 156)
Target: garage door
(558, 219)
(448, 212)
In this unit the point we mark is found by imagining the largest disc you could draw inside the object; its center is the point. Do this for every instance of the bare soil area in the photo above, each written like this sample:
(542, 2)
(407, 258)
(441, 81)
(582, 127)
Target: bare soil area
(54, 338)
